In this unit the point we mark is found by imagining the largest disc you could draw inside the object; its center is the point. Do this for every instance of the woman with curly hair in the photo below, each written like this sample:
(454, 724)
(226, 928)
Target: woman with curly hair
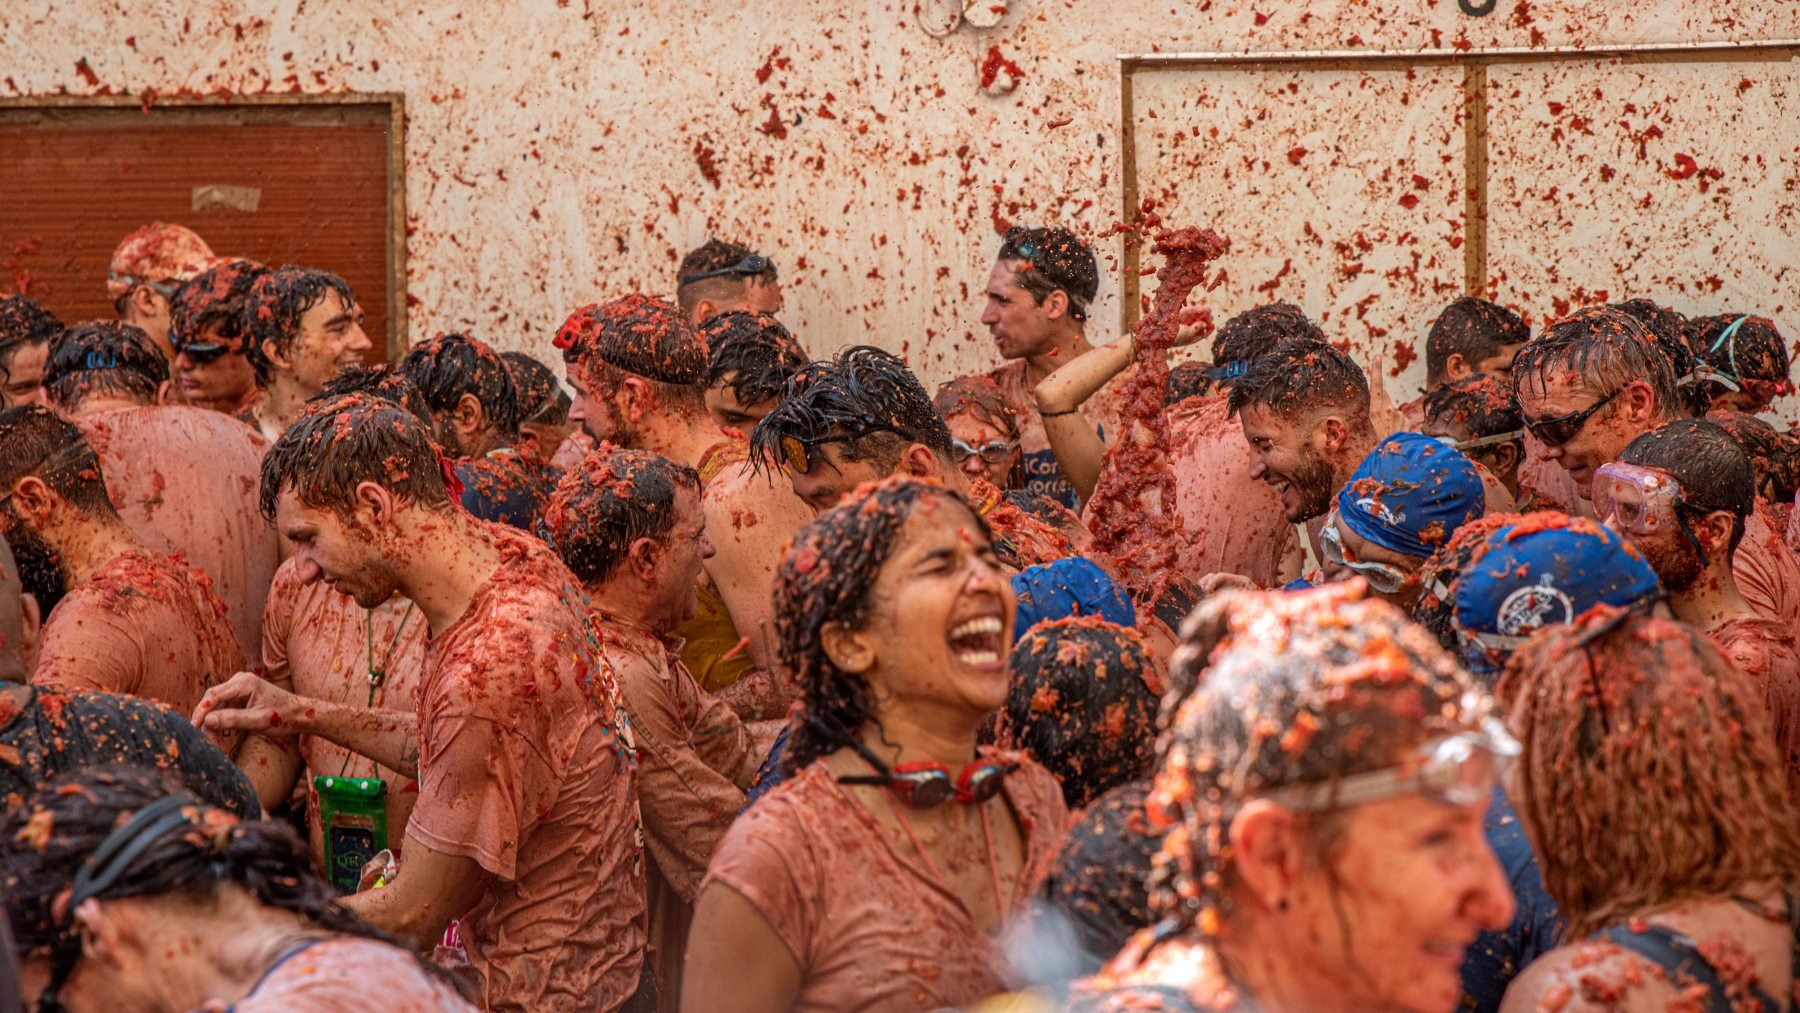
(878, 875)
(138, 896)
(1652, 791)
(1325, 785)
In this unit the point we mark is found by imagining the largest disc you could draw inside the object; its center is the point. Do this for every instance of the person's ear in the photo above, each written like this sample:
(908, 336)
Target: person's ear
(1456, 367)
(638, 397)
(1266, 849)
(34, 500)
(1506, 459)
(644, 556)
(1055, 305)
(468, 419)
(1641, 408)
(101, 933)
(31, 623)
(373, 505)
(143, 301)
(274, 356)
(851, 650)
(920, 461)
(702, 310)
(1333, 434)
(1714, 532)
(162, 393)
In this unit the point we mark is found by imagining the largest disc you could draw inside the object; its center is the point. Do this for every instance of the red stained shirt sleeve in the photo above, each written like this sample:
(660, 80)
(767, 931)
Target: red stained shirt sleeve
(773, 868)
(482, 789)
(88, 647)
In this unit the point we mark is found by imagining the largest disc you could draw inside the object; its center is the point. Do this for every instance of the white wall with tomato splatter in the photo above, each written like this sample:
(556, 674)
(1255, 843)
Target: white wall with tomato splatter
(563, 151)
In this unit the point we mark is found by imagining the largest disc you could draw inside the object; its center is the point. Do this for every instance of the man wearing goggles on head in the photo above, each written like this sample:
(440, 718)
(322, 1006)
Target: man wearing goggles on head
(719, 277)
(146, 269)
(1747, 358)
(1682, 494)
(1596, 381)
(1478, 416)
(1406, 498)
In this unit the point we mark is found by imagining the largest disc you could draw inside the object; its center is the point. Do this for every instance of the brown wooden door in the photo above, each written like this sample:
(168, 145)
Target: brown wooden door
(286, 180)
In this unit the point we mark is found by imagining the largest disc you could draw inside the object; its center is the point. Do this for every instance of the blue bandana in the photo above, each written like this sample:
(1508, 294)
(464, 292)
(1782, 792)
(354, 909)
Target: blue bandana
(1068, 587)
(1410, 494)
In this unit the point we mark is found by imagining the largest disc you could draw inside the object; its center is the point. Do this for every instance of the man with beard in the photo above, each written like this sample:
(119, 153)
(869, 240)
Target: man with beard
(638, 369)
(1682, 494)
(182, 478)
(301, 326)
(1304, 408)
(475, 413)
(118, 616)
(1595, 381)
(526, 822)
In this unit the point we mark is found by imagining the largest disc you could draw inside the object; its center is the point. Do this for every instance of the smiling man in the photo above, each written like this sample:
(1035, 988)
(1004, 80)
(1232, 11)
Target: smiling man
(526, 823)
(206, 327)
(301, 326)
(1304, 408)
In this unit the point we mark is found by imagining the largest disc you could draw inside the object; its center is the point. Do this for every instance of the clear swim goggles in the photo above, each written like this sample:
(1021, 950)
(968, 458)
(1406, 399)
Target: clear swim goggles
(1460, 769)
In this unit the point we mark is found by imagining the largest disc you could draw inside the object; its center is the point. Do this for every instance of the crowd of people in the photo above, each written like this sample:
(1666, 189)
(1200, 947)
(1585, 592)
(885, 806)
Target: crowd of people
(692, 673)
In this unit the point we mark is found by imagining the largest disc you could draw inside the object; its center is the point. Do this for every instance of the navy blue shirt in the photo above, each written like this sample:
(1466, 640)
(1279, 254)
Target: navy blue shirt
(1496, 958)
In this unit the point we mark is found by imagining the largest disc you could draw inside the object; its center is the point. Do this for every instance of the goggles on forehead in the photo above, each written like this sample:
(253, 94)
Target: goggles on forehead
(750, 266)
(1381, 576)
(798, 454)
(1460, 769)
(993, 451)
(1481, 441)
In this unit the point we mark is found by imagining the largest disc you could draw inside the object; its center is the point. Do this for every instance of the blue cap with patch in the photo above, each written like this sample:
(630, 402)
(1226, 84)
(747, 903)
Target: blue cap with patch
(1411, 494)
(1543, 574)
(1068, 587)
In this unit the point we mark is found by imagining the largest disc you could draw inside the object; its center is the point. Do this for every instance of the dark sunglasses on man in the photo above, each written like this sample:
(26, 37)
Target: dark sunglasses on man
(1554, 432)
(751, 266)
(200, 355)
(798, 454)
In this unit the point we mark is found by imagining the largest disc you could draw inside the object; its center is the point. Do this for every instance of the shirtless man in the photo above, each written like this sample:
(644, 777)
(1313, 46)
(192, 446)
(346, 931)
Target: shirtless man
(1683, 494)
(206, 327)
(637, 368)
(25, 332)
(183, 479)
(630, 526)
(300, 327)
(1595, 381)
(526, 822)
(1038, 296)
(119, 617)
(146, 269)
(718, 277)
(475, 411)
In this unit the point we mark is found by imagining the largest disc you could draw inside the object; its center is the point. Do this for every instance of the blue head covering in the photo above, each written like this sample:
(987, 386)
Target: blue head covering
(1531, 577)
(1073, 586)
(1410, 494)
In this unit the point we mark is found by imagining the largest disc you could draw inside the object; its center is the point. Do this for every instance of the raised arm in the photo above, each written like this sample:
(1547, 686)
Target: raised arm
(1078, 447)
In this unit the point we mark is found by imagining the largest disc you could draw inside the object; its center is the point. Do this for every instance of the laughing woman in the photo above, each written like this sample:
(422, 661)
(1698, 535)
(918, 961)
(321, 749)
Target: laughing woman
(878, 877)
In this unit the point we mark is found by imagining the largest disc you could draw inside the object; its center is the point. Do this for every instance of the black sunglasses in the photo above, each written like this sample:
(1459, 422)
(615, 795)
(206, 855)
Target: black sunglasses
(754, 264)
(1559, 430)
(200, 355)
(797, 453)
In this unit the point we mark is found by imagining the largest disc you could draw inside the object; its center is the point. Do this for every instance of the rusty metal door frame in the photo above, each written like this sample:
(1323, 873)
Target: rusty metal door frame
(390, 104)
(1475, 64)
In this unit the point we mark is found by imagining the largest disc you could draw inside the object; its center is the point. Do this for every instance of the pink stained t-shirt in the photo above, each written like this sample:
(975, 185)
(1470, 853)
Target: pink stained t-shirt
(323, 641)
(1769, 652)
(870, 927)
(185, 481)
(144, 624)
(1766, 572)
(1235, 521)
(525, 766)
(343, 975)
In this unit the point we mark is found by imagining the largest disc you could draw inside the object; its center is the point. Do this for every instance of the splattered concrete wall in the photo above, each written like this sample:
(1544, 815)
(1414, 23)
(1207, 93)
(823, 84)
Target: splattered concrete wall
(572, 149)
